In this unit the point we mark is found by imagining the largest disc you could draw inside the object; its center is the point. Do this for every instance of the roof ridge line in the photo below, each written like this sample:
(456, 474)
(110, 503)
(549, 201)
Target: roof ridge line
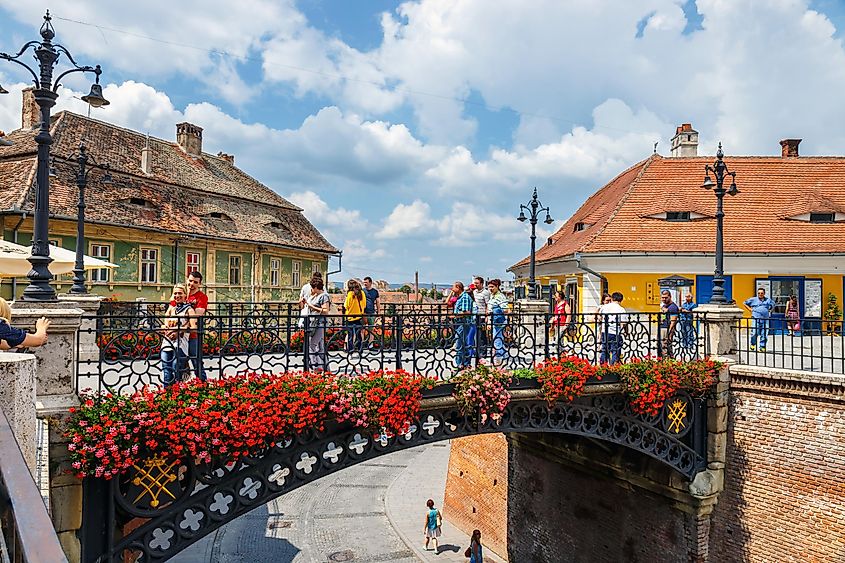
(644, 164)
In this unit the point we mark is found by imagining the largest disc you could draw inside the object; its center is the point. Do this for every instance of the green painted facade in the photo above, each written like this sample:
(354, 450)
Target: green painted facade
(125, 285)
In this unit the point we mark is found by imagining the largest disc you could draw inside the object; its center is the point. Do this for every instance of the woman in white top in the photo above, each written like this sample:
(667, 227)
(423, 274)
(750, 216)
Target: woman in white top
(179, 320)
(304, 294)
(318, 305)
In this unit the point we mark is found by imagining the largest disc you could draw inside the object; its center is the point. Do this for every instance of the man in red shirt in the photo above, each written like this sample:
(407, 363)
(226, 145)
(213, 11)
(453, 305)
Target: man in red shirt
(199, 301)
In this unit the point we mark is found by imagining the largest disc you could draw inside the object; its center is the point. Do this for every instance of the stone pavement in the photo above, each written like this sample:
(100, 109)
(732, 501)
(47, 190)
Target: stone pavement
(424, 478)
(366, 513)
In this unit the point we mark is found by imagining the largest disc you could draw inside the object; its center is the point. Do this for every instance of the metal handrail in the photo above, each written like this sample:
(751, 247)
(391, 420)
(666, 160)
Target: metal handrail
(28, 532)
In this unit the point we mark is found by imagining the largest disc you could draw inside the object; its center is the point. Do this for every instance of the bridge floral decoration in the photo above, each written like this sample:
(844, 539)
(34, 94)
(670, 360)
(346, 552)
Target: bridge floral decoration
(242, 416)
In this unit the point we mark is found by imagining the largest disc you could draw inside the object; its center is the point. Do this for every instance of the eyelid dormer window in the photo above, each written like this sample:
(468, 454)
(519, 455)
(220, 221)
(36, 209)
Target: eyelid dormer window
(822, 217)
(678, 216)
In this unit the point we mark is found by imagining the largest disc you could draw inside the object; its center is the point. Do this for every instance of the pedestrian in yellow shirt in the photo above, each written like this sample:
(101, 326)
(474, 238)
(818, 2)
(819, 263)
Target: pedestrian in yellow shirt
(354, 306)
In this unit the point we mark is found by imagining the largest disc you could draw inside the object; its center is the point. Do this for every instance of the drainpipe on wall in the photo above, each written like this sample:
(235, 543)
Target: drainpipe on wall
(589, 271)
(339, 267)
(175, 259)
(15, 240)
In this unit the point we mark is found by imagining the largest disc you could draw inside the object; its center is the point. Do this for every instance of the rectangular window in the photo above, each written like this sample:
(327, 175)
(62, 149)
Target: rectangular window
(192, 262)
(295, 274)
(822, 217)
(677, 216)
(103, 252)
(55, 242)
(149, 265)
(315, 267)
(234, 270)
(275, 266)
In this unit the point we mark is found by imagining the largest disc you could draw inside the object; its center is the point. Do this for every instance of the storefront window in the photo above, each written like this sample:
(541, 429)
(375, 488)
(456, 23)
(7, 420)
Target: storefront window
(782, 289)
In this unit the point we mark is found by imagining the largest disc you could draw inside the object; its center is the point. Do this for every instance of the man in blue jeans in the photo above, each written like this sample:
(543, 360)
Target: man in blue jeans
(463, 318)
(761, 309)
(199, 301)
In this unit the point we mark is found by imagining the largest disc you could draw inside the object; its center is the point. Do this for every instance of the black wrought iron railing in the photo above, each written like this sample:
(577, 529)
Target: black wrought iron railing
(28, 534)
(808, 344)
(129, 354)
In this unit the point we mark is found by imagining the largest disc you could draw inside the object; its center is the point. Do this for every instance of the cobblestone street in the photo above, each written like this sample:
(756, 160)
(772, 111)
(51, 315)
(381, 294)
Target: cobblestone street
(367, 513)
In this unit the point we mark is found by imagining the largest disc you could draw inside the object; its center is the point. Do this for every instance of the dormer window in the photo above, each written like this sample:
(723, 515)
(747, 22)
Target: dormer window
(822, 217)
(276, 225)
(217, 215)
(138, 201)
(678, 216)
(580, 226)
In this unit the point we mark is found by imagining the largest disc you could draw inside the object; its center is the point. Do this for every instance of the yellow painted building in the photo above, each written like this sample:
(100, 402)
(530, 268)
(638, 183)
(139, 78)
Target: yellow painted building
(784, 231)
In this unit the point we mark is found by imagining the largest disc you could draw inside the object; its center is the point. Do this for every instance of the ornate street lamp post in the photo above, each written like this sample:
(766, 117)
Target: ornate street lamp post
(720, 170)
(45, 93)
(534, 208)
(85, 163)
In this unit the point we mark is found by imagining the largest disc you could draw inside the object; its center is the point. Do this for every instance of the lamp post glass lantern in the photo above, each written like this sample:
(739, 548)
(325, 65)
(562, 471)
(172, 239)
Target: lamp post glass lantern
(534, 208)
(45, 93)
(720, 171)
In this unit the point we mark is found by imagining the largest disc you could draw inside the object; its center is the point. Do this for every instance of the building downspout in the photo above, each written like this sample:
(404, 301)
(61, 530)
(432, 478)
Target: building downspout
(175, 260)
(15, 240)
(590, 271)
(339, 268)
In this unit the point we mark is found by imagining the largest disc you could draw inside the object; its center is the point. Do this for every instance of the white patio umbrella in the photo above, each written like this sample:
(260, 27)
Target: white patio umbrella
(14, 263)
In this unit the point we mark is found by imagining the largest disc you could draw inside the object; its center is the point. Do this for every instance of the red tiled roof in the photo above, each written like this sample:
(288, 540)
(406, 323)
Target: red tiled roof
(212, 184)
(772, 189)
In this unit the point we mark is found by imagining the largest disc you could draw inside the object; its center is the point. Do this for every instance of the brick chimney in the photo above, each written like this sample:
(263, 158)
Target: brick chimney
(230, 158)
(189, 137)
(789, 147)
(685, 141)
(30, 112)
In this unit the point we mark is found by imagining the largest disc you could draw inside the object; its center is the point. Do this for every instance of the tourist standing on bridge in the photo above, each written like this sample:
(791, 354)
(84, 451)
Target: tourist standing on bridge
(354, 306)
(318, 304)
(614, 323)
(498, 308)
(561, 317)
(761, 309)
(199, 301)
(304, 294)
(669, 313)
(686, 321)
(463, 320)
(13, 337)
(179, 320)
(481, 295)
(433, 521)
(373, 308)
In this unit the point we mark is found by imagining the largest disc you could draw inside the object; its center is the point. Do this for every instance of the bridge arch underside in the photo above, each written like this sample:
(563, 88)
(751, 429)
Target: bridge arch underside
(165, 508)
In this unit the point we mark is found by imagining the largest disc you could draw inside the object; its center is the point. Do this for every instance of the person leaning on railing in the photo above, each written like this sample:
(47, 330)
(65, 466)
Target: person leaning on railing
(463, 319)
(12, 337)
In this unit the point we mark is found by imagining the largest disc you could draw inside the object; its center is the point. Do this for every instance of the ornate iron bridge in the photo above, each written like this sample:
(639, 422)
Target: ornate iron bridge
(159, 508)
(242, 338)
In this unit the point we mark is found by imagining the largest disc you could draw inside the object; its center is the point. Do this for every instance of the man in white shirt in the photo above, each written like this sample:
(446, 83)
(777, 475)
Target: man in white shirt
(304, 294)
(614, 322)
(482, 301)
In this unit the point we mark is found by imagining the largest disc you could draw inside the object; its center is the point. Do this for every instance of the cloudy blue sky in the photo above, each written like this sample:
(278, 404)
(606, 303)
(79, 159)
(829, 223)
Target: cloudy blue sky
(409, 132)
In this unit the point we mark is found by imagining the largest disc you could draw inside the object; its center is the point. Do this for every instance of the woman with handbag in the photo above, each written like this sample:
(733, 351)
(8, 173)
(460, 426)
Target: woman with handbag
(433, 521)
(474, 551)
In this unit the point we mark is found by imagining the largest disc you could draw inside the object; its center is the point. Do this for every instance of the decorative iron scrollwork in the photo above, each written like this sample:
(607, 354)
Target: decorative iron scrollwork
(185, 502)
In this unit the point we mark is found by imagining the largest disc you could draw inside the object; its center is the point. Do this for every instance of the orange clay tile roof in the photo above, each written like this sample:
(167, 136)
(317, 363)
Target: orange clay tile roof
(757, 220)
(180, 192)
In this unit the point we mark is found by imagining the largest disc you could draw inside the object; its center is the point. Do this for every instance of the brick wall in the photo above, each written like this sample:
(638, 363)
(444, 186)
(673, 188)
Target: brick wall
(784, 496)
(561, 510)
(477, 488)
